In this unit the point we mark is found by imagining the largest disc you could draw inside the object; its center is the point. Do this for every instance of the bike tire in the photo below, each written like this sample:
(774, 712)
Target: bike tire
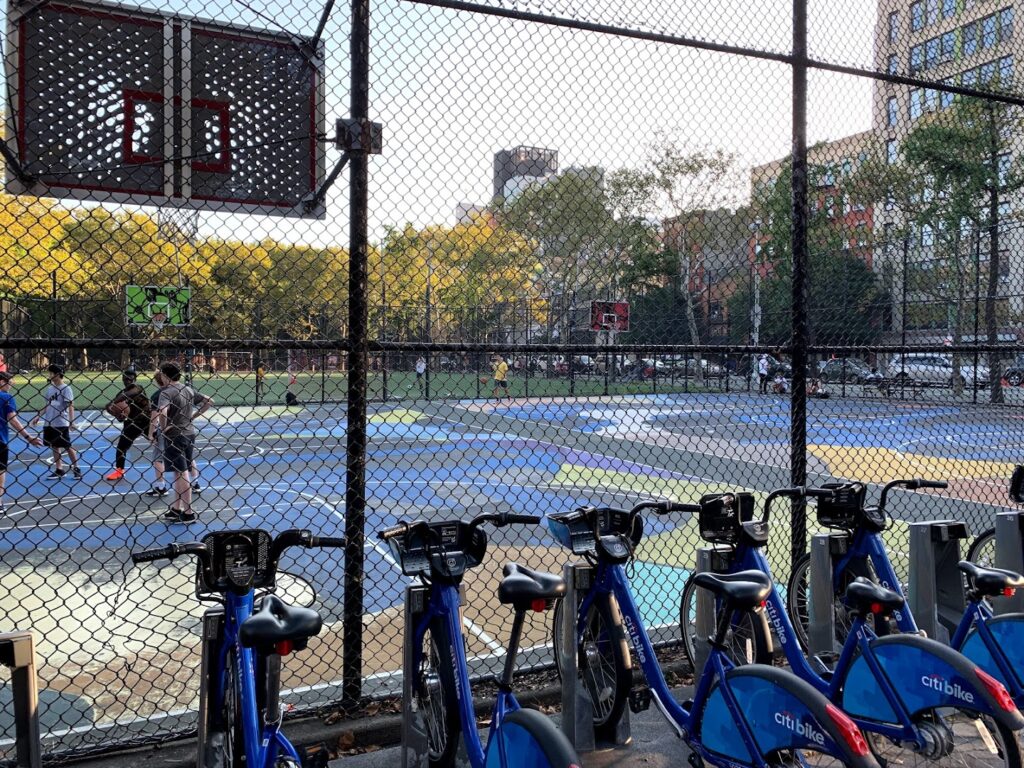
(970, 748)
(530, 740)
(754, 628)
(434, 692)
(983, 549)
(226, 748)
(797, 608)
(610, 678)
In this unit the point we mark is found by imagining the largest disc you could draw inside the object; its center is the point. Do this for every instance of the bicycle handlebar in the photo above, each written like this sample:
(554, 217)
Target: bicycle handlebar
(172, 551)
(499, 520)
(796, 492)
(911, 485)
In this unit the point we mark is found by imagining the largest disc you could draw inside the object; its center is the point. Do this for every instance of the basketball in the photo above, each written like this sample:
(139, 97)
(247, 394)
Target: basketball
(119, 410)
(483, 379)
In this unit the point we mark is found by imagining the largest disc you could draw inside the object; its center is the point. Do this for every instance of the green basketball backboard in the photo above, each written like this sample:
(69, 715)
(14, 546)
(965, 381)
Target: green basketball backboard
(143, 302)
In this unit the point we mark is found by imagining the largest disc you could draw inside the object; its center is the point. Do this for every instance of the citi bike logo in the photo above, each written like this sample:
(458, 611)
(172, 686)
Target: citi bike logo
(938, 683)
(635, 637)
(773, 617)
(804, 729)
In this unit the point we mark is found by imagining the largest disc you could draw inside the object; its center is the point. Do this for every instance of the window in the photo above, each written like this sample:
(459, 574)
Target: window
(917, 16)
(1006, 24)
(890, 151)
(970, 78)
(970, 39)
(891, 111)
(947, 47)
(931, 53)
(916, 59)
(894, 27)
(916, 106)
(1003, 163)
(894, 64)
(946, 98)
(1006, 70)
(927, 236)
(987, 72)
(931, 12)
(989, 35)
(948, 9)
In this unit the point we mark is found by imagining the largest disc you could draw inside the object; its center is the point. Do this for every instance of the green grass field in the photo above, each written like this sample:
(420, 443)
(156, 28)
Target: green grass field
(94, 389)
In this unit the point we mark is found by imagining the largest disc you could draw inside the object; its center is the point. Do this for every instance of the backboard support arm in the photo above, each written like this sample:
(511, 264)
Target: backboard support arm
(15, 165)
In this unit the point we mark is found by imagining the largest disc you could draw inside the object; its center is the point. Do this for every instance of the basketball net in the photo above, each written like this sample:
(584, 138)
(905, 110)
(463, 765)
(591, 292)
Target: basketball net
(158, 320)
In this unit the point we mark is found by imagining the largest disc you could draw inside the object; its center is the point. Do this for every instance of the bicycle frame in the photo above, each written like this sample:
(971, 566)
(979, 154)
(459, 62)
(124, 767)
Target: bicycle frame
(868, 545)
(612, 580)
(264, 742)
(444, 604)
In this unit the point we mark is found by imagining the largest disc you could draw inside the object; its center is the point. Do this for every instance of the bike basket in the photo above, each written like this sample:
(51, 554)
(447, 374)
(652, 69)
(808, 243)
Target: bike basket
(843, 510)
(722, 515)
(237, 558)
(572, 531)
(413, 550)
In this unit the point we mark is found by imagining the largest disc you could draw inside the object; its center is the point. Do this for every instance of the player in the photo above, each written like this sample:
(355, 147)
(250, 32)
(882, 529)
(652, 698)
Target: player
(762, 373)
(500, 372)
(421, 369)
(135, 419)
(58, 417)
(176, 409)
(9, 416)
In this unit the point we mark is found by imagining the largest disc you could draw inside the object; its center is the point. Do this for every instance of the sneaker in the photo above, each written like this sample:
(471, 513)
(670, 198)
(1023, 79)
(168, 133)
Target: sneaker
(197, 487)
(114, 476)
(178, 516)
(56, 474)
(76, 473)
(155, 492)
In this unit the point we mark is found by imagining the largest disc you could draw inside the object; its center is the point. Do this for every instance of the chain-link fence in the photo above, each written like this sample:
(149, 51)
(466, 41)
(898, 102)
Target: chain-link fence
(572, 276)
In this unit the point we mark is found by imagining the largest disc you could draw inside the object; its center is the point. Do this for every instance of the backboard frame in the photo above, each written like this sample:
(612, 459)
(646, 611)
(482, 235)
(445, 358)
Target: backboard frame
(601, 311)
(179, 183)
(139, 301)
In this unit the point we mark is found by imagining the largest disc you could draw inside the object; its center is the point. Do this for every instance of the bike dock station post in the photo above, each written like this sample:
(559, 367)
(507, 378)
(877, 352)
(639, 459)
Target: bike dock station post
(821, 629)
(714, 559)
(577, 706)
(414, 733)
(1010, 556)
(935, 594)
(18, 653)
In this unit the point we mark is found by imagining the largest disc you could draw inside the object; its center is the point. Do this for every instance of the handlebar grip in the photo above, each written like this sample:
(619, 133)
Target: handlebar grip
(148, 555)
(679, 507)
(329, 541)
(818, 493)
(932, 484)
(522, 520)
(396, 530)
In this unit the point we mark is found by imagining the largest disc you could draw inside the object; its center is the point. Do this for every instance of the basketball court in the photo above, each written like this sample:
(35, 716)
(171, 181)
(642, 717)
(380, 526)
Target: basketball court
(65, 544)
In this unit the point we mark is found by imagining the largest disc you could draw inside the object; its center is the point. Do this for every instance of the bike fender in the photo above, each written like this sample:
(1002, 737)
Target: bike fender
(782, 712)
(1008, 632)
(924, 675)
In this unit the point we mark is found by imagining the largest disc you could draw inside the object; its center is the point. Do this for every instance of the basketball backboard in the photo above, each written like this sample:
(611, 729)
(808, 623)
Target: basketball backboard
(143, 302)
(114, 104)
(609, 315)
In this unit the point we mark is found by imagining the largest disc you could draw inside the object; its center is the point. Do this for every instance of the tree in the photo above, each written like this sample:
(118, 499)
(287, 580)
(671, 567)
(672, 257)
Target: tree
(946, 183)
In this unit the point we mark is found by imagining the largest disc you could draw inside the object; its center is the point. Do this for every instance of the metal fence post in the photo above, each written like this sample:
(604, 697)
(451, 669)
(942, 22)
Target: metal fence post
(17, 651)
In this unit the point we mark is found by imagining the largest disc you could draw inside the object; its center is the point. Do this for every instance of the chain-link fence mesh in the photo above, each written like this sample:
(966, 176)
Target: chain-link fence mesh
(579, 289)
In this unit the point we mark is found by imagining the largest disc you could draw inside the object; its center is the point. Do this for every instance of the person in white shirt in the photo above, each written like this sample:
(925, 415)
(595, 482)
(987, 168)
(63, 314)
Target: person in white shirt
(421, 369)
(58, 417)
(762, 373)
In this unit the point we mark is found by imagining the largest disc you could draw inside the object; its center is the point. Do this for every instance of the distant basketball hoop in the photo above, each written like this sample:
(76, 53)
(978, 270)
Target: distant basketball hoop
(158, 320)
(609, 315)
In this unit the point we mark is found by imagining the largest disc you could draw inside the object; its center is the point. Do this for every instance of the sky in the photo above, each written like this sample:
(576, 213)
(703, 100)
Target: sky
(451, 88)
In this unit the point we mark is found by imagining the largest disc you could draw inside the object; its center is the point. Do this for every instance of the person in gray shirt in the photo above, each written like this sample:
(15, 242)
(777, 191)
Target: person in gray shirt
(177, 405)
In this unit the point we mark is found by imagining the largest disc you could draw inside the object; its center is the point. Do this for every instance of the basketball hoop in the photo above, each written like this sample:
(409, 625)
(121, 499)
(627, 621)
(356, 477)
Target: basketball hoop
(158, 320)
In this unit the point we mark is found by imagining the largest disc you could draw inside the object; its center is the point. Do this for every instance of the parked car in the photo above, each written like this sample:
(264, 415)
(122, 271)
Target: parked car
(925, 368)
(1014, 372)
(848, 370)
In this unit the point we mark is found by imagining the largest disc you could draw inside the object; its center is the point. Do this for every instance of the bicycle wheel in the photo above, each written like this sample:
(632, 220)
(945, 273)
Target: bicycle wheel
(228, 740)
(977, 741)
(749, 642)
(604, 663)
(528, 739)
(434, 692)
(983, 549)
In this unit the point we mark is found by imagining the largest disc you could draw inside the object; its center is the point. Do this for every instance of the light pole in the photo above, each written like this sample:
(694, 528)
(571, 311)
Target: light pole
(430, 329)
(755, 309)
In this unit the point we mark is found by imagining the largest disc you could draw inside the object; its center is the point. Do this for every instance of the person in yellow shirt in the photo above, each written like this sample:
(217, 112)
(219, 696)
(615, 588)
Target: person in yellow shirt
(500, 368)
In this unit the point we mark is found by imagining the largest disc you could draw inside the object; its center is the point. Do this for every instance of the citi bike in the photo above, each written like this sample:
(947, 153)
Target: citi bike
(739, 716)
(994, 643)
(916, 700)
(439, 553)
(239, 701)
(983, 549)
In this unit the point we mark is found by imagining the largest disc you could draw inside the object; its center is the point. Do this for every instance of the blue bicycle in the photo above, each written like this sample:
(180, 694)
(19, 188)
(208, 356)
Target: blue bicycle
(739, 716)
(239, 704)
(996, 644)
(917, 701)
(439, 553)
(983, 549)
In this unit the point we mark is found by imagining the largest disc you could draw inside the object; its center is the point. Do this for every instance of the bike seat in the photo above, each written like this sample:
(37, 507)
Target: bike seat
(522, 587)
(276, 622)
(743, 591)
(991, 582)
(866, 597)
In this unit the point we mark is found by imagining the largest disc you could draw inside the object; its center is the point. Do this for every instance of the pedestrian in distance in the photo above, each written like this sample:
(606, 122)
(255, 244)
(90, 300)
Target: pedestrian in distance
(58, 417)
(156, 439)
(762, 373)
(421, 369)
(132, 408)
(176, 411)
(9, 420)
(499, 370)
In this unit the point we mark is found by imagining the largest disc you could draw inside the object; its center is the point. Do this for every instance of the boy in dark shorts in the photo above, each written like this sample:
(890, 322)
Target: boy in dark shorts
(58, 417)
(176, 408)
(136, 422)
(9, 416)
